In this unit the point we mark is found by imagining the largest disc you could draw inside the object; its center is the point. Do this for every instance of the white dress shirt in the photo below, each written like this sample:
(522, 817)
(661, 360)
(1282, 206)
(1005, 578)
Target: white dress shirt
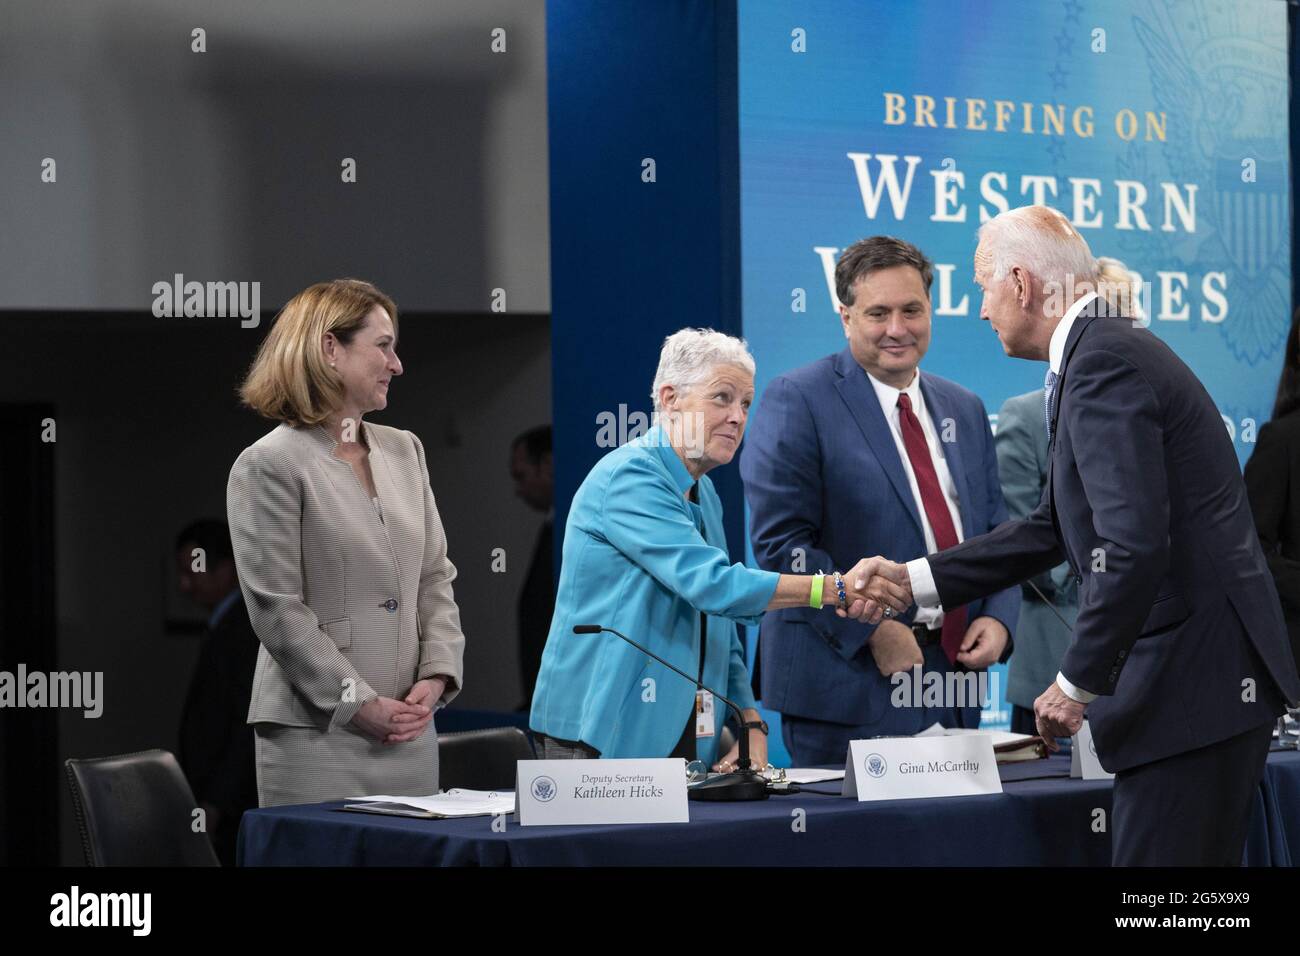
(931, 613)
(923, 589)
(1056, 347)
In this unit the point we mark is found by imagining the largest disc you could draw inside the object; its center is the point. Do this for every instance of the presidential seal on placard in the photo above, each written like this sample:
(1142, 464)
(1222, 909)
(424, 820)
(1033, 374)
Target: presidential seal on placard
(876, 765)
(543, 789)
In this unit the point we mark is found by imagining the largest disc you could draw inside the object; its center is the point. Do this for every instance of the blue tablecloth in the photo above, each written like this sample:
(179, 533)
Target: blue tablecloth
(1274, 837)
(1042, 818)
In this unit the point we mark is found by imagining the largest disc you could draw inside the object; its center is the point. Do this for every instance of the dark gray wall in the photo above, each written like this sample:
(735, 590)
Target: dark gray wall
(147, 431)
(225, 166)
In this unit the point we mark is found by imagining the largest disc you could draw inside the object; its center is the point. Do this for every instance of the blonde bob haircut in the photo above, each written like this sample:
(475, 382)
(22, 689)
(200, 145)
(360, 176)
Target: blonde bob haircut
(290, 380)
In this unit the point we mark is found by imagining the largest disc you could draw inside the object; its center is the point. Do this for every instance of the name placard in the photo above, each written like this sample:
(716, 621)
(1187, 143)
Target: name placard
(1083, 757)
(904, 768)
(559, 792)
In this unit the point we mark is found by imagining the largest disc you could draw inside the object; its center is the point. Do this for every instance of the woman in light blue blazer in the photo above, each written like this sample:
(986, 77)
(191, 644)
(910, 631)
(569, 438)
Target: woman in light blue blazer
(645, 554)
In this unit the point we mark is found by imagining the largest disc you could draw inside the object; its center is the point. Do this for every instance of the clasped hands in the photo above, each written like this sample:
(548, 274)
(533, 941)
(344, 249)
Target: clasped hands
(400, 721)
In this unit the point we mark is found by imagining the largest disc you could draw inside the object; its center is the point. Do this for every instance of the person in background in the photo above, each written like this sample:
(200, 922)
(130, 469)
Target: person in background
(533, 475)
(862, 452)
(1273, 484)
(216, 743)
(645, 554)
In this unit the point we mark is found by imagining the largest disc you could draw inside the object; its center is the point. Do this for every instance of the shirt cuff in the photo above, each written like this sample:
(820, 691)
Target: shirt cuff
(924, 593)
(1072, 692)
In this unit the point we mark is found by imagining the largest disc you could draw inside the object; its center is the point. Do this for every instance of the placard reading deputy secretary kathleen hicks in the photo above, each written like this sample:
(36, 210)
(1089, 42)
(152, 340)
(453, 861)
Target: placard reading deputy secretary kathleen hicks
(558, 792)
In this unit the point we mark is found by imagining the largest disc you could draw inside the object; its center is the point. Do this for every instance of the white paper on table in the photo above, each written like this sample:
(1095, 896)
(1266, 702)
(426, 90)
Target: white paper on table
(999, 736)
(798, 775)
(453, 803)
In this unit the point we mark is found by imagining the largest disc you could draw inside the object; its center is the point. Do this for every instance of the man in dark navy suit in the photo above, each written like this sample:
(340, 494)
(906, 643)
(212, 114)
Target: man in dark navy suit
(905, 460)
(1179, 657)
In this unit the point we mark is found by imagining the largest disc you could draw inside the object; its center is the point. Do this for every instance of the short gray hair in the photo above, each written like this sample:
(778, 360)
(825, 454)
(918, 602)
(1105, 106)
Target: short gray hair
(1041, 240)
(689, 355)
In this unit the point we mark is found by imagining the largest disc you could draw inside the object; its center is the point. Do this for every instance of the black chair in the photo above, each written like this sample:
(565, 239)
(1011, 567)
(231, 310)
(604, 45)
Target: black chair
(137, 810)
(481, 759)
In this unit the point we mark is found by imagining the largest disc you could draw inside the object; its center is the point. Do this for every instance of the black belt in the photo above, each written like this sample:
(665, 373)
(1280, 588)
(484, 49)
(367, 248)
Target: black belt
(925, 636)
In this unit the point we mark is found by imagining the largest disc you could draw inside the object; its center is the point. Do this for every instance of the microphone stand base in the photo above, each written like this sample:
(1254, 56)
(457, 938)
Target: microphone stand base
(741, 785)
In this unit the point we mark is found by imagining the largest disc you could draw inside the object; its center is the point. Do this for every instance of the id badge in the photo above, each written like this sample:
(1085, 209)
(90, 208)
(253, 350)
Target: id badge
(703, 714)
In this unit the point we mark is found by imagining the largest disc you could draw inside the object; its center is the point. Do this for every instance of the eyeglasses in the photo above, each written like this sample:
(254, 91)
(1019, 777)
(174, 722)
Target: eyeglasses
(697, 771)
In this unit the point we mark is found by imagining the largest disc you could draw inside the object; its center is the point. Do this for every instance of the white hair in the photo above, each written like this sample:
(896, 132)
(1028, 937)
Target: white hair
(1042, 241)
(689, 355)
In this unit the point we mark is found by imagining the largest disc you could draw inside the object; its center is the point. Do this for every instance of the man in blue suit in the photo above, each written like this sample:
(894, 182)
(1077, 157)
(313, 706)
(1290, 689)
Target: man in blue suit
(906, 463)
(1179, 656)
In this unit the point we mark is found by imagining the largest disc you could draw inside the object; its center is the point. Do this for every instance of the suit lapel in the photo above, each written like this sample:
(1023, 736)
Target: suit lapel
(939, 410)
(1051, 467)
(864, 406)
(1081, 322)
(385, 488)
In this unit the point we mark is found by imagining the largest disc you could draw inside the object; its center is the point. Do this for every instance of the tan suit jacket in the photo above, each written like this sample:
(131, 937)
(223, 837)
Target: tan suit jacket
(346, 606)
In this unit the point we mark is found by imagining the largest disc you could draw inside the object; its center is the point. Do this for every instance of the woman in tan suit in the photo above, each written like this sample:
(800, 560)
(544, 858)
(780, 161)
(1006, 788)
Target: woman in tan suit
(342, 561)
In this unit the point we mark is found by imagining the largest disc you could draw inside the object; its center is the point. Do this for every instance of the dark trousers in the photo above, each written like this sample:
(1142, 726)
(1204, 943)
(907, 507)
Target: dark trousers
(812, 742)
(815, 743)
(1191, 809)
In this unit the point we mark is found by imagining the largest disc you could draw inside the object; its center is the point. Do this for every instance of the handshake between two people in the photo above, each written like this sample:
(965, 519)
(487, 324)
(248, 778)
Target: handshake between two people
(876, 589)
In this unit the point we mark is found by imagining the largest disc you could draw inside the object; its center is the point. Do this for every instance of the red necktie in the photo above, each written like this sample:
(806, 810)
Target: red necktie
(936, 509)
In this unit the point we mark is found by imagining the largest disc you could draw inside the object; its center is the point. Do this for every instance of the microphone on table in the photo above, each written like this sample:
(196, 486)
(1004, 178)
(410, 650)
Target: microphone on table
(745, 783)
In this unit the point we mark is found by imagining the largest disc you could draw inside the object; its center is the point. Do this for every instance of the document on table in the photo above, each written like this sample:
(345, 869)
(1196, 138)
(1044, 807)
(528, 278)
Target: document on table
(998, 736)
(813, 775)
(453, 803)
